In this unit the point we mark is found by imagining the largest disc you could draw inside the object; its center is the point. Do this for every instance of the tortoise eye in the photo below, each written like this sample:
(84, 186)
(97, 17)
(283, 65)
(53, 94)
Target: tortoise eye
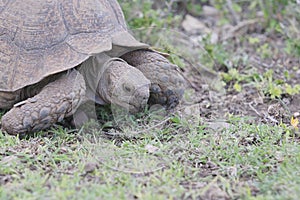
(127, 88)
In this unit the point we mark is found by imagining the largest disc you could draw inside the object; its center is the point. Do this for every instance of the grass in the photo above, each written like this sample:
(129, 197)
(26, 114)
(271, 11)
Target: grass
(175, 162)
(187, 156)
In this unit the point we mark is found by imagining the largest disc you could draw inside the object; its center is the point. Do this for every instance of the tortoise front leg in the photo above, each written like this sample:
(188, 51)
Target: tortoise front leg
(8, 99)
(57, 100)
(167, 84)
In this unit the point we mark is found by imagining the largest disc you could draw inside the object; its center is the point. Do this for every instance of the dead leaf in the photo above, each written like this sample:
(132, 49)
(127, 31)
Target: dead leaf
(294, 122)
(151, 149)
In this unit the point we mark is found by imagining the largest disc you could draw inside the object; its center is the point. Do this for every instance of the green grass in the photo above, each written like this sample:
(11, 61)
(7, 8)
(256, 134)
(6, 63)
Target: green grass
(175, 162)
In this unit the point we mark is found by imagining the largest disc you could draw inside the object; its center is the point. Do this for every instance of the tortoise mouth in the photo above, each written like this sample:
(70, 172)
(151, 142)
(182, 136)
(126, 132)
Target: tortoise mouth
(132, 107)
(134, 102)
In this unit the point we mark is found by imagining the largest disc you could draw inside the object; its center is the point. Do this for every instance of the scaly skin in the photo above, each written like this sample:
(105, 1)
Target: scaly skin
(167, 84)
(57, 100)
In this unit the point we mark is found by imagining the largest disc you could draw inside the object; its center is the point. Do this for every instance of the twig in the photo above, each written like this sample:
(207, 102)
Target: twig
(250, 105)
(133, 134)
(271, 118)
(243, 24)
(256, 61)
(132, 172)
(233, 13)
(169, 5)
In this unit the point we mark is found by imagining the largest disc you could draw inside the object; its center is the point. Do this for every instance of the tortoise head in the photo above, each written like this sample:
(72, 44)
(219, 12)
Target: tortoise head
(125, 86)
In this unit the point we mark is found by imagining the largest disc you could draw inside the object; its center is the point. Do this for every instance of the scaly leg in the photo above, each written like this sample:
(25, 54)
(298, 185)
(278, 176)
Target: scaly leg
(57, 100)
(167, 84)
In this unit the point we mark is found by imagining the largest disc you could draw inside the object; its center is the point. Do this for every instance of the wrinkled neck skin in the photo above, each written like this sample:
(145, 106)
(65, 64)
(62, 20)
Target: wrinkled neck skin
(108, 81)
(97, 74)
(104, 88)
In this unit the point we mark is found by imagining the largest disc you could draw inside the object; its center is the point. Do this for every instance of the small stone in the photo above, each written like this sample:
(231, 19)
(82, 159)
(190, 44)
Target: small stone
(151, 149)
(296, 114)
(210, 11)
(90, 167)
(214, 39)
(192, 25)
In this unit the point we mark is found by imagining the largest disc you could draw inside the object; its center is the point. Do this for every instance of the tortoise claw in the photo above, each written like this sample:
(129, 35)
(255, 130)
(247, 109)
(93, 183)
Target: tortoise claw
(167, 98)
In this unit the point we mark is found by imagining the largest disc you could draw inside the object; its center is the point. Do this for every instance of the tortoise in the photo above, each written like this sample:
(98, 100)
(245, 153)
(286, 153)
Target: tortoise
(56, 55)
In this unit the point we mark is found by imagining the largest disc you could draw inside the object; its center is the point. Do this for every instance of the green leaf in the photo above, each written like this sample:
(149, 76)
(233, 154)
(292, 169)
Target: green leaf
(237, 87)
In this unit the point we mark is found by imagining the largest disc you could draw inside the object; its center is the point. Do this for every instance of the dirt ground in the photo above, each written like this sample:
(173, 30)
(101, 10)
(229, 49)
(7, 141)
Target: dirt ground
(217, 101)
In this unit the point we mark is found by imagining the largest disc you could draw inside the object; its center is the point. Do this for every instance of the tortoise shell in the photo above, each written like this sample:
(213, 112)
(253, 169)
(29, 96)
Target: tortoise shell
(39, 38)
